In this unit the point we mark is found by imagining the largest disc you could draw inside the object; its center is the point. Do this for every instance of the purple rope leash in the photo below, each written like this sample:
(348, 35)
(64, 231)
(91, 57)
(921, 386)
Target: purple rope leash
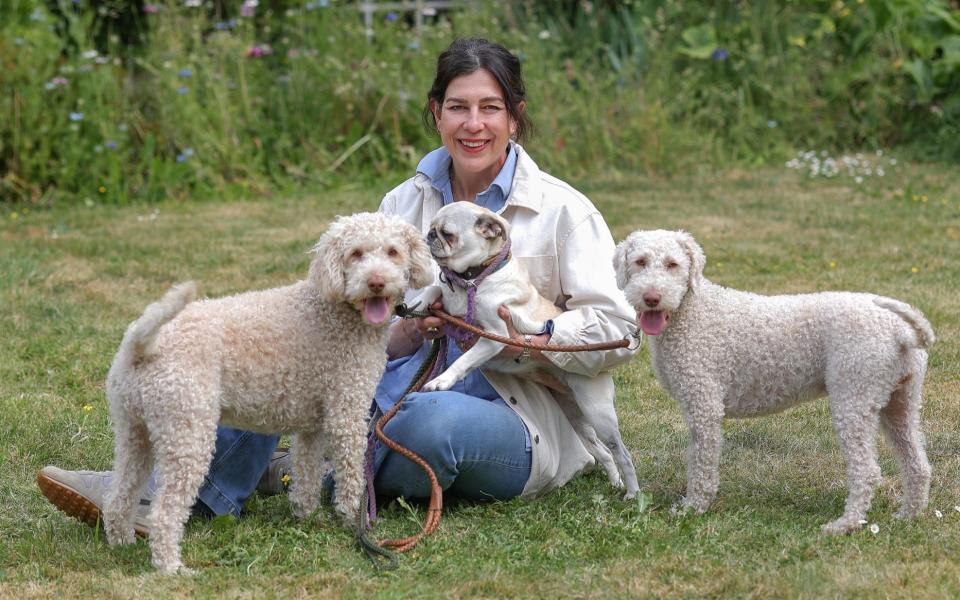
(471, 285)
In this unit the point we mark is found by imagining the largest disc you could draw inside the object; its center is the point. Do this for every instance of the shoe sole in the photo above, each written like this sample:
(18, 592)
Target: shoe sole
(75, 504)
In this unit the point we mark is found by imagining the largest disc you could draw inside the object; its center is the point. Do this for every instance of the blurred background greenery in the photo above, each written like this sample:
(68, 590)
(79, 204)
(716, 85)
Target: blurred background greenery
(111, 101)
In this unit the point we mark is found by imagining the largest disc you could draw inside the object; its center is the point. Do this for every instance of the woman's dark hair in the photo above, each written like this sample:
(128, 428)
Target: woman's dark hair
(468, 55)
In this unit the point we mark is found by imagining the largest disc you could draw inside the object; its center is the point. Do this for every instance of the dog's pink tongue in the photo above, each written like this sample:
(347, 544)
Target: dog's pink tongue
(376, 310)
(652, 322)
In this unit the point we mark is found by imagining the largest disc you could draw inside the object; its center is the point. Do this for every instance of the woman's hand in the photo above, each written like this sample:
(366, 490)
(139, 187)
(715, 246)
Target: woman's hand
(431, 328)
(407, 335)
(513, 352)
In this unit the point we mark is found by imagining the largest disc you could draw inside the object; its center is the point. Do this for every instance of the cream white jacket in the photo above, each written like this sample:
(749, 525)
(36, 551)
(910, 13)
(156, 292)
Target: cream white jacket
(564, 244)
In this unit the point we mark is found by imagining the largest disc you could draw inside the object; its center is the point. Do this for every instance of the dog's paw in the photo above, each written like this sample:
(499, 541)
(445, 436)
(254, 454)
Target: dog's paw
(909, 511)
(440, 383)
(842, 526)
(689, 506)
(119, 536)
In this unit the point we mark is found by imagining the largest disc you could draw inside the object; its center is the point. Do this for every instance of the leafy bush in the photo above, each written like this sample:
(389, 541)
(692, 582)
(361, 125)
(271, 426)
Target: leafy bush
(284, 95)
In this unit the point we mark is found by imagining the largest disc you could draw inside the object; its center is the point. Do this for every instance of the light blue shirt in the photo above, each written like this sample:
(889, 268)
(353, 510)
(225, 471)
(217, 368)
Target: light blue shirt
(436, 166)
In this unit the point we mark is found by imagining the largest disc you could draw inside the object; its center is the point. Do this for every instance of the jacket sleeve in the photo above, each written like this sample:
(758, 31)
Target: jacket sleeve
(596, 310)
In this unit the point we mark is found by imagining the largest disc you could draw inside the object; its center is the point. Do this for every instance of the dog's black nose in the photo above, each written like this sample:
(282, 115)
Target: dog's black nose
(651, 299)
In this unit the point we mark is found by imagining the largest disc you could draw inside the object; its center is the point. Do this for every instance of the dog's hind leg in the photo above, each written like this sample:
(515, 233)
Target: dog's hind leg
(131, 467)
(900, 419)
(598, 410)
(856, 418)
(183, 454)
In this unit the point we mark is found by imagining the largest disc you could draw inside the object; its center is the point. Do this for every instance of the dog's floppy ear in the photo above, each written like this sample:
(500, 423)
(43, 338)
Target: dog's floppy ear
(326, 269)
(620, 262)
(698, 260)
(491, 225)
(421, 269)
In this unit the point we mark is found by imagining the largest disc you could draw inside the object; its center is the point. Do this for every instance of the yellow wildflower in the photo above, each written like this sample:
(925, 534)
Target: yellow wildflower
(285, 479)
(87, 407)
(914, 269)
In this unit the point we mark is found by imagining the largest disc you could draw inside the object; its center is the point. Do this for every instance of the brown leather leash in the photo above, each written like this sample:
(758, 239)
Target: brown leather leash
(435, 507)
(624, 343)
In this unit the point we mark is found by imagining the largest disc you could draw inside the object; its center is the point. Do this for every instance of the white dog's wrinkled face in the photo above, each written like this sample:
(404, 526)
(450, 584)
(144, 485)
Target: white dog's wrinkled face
(369, 260)
(464, 235)
(656, 269)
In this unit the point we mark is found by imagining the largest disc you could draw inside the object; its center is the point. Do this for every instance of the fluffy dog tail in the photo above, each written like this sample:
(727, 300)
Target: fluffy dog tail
(913, 317)
(139, 338)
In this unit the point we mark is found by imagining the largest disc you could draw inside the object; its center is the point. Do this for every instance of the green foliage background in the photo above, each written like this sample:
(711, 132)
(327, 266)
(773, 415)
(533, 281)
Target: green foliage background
(101, 103)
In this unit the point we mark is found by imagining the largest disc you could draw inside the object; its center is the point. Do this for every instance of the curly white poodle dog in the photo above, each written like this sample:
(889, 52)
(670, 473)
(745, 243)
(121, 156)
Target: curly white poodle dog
(727, 353)
(302, 359)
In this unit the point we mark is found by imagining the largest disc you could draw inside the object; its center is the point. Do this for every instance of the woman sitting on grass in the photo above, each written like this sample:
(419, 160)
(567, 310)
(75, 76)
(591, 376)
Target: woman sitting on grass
(494, 435)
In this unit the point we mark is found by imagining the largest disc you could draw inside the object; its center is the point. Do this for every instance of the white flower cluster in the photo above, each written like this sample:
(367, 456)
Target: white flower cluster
(857, 166)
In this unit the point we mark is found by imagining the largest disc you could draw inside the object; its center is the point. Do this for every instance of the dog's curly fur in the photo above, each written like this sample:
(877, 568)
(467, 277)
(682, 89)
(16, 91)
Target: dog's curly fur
(726, 353)
(302, 359)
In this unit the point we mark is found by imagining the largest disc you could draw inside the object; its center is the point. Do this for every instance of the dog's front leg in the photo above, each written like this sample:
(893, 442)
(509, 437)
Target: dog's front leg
(307, 471)
(481, 352)
(425, 298)
(704, 415)
(347, 446)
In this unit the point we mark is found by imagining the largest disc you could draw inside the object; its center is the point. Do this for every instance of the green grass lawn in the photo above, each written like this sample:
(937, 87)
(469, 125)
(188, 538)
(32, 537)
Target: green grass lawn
(72, 279)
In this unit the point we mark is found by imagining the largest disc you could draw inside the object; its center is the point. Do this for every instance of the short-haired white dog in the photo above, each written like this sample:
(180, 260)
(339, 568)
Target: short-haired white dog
(726, 353)
(302, 359)
(464, 238)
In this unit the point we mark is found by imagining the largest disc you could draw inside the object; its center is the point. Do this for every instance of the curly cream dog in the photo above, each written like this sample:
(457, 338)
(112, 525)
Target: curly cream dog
(464, 237)
(726, 353)
(302, 359)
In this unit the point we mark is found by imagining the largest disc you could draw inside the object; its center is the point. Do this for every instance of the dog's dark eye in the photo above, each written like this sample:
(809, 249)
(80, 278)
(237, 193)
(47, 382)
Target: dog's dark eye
(357, 254)
(641, 262)
(448, 236)
(392, 252)
(672, 264)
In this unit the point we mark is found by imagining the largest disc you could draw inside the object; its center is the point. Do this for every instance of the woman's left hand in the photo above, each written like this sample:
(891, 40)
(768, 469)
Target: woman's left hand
(513, 352)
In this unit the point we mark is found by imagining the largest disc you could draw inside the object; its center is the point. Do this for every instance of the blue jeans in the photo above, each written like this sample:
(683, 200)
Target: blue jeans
(477, 446)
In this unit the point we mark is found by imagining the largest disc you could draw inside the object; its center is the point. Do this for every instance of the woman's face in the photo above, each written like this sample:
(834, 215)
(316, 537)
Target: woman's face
(474, 125)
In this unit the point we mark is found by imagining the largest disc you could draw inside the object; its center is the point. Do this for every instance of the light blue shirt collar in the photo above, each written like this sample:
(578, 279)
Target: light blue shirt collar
(436, 166)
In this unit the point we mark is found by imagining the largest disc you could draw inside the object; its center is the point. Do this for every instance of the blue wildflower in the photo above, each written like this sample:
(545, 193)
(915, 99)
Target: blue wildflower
(183, 156)
(323, 3)
(183, 91)
(720, 54)
(185, 73)
(112, 145)
(413, 45)
(76, 116)
(391, 17)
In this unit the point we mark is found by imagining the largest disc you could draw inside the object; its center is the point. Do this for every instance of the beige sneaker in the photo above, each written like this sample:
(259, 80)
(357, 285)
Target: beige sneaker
(80, 495)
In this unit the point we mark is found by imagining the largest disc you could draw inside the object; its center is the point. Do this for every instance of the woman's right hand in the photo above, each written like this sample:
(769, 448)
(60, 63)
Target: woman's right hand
(431, 328)
(407, 335)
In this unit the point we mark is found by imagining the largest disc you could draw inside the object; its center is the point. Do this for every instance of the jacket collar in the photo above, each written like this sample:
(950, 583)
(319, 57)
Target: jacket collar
(525, 191)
